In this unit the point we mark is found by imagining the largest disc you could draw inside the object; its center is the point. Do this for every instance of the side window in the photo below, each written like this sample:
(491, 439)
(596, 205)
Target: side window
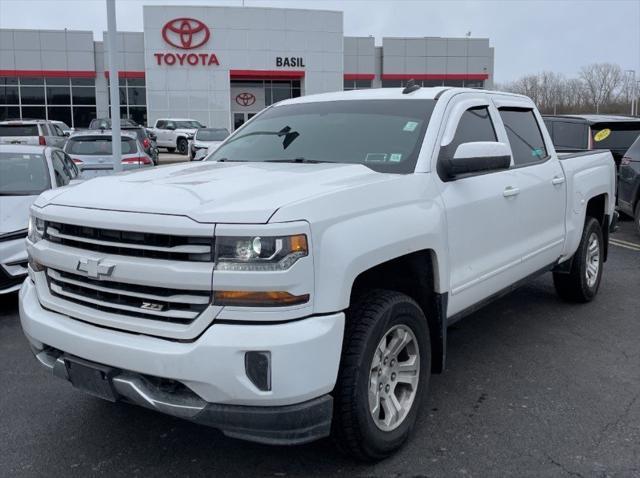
(170, 124)
(570, 135)
(45, 129)
(59, 169)
(525, 137)
(57, 130)
(475, 125)
(161, 124)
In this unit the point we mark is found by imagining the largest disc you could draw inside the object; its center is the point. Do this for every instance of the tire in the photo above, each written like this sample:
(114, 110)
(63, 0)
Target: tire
(354, 428)
(578, 285)
(636, 218)
(171, 150)
(183, 146)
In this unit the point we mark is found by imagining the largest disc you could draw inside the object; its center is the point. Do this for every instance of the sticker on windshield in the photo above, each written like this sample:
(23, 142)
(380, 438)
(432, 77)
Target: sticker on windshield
(537, 152)
(375, 157)
(410, 126)
(602, 134)
(395, 157)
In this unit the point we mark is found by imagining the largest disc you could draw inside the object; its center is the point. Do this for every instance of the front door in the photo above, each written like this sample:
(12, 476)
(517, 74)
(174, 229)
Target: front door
(247, 100)
(481, 213)
(241, 118)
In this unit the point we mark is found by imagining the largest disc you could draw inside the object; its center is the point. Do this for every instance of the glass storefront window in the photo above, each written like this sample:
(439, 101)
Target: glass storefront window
(133, 99)
(8, 92)
(83, 96)
(32, 95)
(33, 112)
(58, 95)
(60, 113)
(9, 112)
(82, 116)
(83, 82)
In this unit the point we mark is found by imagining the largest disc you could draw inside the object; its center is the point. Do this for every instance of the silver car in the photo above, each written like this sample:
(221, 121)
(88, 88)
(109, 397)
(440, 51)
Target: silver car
(91, 151)
(25, 172)
(36, 132)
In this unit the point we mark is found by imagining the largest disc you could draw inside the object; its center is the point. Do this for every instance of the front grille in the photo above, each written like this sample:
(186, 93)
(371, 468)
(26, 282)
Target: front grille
(156, 303)
(7, 280)
(130, 243)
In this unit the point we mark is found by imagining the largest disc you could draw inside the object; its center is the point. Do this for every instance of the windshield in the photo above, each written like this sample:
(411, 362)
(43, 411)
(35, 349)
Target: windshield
(18, 130)
(23, 174)
(98, 146)
(192, 124)
(384, 135)
(615, 136)
(210, 134)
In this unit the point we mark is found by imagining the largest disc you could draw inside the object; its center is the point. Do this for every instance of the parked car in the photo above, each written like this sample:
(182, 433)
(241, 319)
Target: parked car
(36, 132)
(92, 151)
(300, 282)
(25, 171)
(629, 183)
(175, 133)
(207, 139)
(105, 123)
(586, 132)
(66, 129)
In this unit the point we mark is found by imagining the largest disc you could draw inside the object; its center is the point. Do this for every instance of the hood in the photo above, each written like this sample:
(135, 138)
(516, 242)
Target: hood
(14, 212)
(217, 192)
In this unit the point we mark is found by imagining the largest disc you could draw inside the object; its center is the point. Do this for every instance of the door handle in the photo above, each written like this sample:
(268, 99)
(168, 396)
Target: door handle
(510, 191)
(557, 180)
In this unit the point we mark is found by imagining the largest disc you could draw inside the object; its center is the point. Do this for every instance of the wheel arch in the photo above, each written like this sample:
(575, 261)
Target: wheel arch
(415, 274)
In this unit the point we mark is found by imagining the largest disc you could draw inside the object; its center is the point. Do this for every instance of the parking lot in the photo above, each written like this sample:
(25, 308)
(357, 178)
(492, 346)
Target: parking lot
(533, 387)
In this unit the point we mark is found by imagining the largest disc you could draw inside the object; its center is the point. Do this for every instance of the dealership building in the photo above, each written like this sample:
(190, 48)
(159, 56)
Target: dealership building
(219, 65)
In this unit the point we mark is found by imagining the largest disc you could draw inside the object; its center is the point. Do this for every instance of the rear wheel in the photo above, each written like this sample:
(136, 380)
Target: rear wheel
(583, 280)
(384, 374)
(183, 145)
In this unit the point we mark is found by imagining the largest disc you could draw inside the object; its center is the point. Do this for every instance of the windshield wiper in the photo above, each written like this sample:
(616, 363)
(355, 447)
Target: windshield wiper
(227, 160)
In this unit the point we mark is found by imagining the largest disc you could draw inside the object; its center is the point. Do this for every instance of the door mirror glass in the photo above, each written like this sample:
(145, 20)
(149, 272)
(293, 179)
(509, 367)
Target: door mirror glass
(477, 157)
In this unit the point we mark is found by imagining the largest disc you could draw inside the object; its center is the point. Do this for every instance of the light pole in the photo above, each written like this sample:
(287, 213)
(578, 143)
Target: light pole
(112, 45)
(631, 88)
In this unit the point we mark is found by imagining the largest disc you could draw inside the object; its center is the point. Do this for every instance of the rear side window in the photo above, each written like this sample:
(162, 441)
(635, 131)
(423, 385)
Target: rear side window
(569, 135)
(475, 125)
(60, 169)
(19, 130)
(525, 137)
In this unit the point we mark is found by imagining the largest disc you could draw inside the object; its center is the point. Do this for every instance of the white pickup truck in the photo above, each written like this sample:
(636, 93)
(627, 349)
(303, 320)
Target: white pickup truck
(300, 281)
(175, 133)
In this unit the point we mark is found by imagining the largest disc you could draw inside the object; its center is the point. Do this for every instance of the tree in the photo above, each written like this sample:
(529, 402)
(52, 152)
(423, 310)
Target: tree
(602, 82)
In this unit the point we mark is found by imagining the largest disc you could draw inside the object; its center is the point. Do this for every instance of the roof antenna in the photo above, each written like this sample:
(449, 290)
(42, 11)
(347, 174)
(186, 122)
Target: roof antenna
(411, 87)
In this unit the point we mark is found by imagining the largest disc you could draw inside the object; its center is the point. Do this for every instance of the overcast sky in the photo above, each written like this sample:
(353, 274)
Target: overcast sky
(529, 36)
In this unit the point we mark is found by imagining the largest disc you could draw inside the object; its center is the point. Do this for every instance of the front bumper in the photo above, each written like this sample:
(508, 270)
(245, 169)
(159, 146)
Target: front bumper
(305, 356)
(276, 425)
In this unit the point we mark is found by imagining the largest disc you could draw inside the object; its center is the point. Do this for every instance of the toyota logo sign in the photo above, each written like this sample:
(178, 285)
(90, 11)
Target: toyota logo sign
(185, 33)
(245, 99)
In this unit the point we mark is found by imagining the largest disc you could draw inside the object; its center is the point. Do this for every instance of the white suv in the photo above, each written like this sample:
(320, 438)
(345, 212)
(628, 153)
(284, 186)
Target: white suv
(36, 132)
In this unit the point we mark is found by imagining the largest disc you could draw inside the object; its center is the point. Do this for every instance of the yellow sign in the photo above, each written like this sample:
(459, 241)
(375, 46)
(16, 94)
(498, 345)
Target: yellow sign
(602, 134)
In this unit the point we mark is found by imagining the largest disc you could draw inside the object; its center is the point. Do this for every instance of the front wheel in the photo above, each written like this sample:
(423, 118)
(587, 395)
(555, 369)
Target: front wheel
(384, 373)
(183, 146)
(583, 280)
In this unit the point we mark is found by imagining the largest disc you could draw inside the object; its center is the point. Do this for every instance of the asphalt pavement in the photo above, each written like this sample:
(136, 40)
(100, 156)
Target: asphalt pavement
(533, 387)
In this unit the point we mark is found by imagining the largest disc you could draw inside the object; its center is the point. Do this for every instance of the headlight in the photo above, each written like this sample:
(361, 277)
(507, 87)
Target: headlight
(258, 253)
(36, 229)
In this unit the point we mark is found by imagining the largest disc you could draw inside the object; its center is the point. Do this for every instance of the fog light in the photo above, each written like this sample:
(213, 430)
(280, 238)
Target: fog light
(258, 368)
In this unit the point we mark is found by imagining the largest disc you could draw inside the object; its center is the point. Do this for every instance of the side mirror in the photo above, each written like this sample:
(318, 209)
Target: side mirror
(476, 157)
(66, 133)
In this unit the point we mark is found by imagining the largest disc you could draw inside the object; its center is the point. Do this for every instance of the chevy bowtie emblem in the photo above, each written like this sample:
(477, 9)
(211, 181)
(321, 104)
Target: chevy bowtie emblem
(95, 268)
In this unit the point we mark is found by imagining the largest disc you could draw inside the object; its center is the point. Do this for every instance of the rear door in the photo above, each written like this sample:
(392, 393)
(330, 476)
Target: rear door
(58, 138)
(540, 182)
(18, 133)
(481, 216)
